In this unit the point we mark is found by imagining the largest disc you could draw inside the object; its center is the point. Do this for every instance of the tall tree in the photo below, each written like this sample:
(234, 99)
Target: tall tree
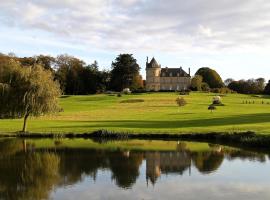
(196, 83)
(211, 77)
(260, 84)
(125, 72)
(48, 62)
(267, 88)
(69, 71)
(228, 81)
(27, 91)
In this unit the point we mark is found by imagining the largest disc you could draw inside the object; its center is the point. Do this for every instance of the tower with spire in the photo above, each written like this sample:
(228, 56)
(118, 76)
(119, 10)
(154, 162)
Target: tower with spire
(152, 75)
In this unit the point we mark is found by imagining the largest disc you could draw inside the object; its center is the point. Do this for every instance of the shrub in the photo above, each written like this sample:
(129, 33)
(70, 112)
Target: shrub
(196, 83)
(139, 90)
(223, 90)
(205, 87)
(119, 95)
(180, 101)
(212, 107)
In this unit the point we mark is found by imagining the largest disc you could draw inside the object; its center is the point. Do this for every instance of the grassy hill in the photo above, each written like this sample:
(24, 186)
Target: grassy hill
(154, 112)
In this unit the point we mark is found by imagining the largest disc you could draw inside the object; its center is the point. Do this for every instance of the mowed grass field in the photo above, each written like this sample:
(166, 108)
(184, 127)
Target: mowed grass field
(158, 113)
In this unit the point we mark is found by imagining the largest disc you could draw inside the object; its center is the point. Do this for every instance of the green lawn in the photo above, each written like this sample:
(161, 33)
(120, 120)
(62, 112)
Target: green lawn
(158, 113)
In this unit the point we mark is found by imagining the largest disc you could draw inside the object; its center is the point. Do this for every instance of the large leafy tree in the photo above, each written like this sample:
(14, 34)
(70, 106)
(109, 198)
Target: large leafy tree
(125, 73)
(196, 83)
(69, 70)
(211, 77)
(47, 62)
(26, 91)
(267, 88)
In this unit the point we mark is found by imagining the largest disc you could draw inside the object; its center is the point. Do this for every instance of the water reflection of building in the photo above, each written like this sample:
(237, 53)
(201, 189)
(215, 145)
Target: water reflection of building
(166, 162)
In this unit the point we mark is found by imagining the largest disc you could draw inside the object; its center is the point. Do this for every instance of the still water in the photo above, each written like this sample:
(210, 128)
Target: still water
(135, 169)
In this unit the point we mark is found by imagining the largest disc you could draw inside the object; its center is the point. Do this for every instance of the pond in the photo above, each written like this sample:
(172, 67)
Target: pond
(68, 169)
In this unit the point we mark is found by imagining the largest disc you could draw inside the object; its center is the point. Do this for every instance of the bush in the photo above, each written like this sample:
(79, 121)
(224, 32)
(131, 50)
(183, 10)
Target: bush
(119, 95)
(212, 107)
(223, 90)
(205, 87)
(139, 90)
(180, 101)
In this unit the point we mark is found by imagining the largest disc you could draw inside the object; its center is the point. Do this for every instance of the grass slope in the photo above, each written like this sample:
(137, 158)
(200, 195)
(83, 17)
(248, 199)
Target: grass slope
(158, 113)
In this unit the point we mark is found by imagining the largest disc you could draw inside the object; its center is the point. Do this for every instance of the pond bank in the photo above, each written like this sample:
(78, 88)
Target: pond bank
(244, 139)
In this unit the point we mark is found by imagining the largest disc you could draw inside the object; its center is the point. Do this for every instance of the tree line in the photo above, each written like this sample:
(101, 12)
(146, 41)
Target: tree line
(206, 79)
(78, 78)
(75, 77)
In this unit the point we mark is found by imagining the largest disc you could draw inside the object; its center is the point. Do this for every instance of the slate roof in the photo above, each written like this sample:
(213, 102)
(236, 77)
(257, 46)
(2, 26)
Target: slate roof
(173, 72)
(167, 72)
(153, 63)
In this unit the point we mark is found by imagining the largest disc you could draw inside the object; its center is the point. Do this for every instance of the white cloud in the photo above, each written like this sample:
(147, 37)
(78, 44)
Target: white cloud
(169, 26)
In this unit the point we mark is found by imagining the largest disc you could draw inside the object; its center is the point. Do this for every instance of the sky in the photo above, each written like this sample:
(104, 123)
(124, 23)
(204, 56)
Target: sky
(232, 37)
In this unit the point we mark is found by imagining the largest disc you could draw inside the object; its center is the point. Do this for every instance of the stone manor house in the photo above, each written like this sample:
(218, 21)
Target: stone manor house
(158, 78)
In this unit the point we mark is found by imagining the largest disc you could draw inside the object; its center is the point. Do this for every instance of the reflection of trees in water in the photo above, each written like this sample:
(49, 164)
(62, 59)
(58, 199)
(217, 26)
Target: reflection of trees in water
(207, 162)
(244, 155)
(9, 147)
(28, 175)
(125, 170)
(77, 163)
(32, 175)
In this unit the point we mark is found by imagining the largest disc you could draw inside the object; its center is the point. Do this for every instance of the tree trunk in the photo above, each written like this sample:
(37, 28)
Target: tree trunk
(24, 122)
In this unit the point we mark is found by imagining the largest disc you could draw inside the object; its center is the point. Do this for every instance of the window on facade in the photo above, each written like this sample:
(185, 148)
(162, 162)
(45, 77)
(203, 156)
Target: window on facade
(170, 74)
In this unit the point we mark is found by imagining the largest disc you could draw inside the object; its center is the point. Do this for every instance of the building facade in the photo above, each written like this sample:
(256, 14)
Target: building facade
(157, 78)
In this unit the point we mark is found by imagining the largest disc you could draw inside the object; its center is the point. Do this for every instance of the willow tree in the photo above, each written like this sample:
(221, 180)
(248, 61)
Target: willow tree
(26, 91)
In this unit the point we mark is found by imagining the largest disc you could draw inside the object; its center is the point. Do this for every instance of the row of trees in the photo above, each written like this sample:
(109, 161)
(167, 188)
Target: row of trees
(207, 79)
(77, 77)
(250, 86)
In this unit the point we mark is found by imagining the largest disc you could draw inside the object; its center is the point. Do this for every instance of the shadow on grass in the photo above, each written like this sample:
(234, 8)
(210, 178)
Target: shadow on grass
(180, 113)
(168, 124)
(265, 96)
(64, 96)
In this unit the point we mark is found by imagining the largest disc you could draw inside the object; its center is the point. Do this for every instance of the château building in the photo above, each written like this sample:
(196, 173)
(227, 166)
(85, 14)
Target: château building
(157, 78)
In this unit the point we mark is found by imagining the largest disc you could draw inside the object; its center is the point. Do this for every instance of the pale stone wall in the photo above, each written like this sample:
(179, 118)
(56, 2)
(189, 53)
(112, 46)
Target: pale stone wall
(174, 83)
(153, 79)
(156, 82)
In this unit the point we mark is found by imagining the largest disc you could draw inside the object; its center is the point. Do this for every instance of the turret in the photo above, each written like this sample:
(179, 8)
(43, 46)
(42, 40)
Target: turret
(152, 75)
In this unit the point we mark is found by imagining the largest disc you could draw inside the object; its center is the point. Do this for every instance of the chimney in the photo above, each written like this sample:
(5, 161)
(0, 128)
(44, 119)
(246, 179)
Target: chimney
(147, 59)
(189, 71)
